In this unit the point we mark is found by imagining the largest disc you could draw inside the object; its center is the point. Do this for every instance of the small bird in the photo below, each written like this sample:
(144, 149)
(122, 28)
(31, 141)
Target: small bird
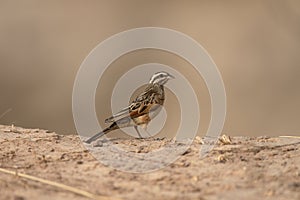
(142, 109)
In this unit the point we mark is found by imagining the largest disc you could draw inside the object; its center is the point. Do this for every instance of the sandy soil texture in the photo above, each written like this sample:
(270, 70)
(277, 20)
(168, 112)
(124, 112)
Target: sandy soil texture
(245, 168)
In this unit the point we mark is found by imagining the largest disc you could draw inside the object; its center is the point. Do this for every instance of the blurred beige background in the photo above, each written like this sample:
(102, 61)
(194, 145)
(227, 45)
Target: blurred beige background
(255, 44)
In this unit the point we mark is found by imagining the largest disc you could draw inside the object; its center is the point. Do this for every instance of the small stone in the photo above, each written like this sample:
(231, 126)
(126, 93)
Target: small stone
(47, 157)
(225, 139)
(98, 143)
(19, 198)
(221, 159)
(199, 140)
(79, 162)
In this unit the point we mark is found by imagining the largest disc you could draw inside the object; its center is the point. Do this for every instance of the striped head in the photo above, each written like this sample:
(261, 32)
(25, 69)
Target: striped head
(160, 78)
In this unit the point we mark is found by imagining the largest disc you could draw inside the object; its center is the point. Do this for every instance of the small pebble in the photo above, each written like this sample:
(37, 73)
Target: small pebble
(98, 143)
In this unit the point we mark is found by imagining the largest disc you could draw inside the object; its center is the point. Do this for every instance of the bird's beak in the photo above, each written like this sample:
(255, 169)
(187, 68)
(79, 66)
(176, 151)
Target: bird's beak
(171, 76)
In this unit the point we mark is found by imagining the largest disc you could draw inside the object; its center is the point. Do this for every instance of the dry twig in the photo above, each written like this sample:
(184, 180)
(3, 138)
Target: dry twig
(58, 185)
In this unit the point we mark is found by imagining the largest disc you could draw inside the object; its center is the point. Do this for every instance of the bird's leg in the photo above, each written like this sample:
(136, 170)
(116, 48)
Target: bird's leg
(145, 126)
(136, 128)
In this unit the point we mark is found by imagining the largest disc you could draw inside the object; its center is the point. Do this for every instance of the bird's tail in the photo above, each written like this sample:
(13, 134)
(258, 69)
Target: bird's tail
(105, 131)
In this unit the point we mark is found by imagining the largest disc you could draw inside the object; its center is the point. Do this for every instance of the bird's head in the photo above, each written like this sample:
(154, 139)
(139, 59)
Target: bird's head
(161, 78)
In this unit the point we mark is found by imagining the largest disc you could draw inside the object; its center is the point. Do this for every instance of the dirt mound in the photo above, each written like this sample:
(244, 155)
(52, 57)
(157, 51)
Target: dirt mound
(244, 168)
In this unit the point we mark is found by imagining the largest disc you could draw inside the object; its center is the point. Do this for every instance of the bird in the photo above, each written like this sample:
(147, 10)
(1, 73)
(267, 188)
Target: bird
(141, 110)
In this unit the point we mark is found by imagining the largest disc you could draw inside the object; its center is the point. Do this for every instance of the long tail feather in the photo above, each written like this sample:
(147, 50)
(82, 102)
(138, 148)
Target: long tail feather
(112, 127)
(121, 123)
(95, 137)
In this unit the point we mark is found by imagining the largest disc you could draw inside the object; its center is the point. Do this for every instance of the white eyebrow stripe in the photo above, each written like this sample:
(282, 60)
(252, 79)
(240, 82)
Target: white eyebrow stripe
(157, 76)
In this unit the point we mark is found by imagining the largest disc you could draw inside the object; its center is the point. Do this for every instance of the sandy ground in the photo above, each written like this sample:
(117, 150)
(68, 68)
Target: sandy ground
(247, 168)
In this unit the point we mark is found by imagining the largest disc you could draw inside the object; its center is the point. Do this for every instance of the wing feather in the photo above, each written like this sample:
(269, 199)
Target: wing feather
(141, 105)
(121, 114)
